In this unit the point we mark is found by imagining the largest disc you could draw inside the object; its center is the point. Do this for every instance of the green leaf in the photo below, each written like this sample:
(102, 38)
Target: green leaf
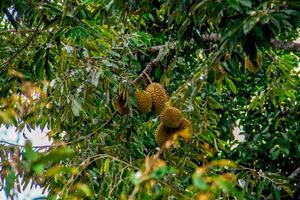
(229, 187)
(184, 26)
(29, 154)
(136, 178)
(84, 188)
(105, 166)
(234, 4)
(38, 168)
(247, 3)
(275, 22)
(223, 163)
(161, 172)
(76, 107)
(9, 182)
(275, 154)
(275, 192)
(157, 73)
(231, 85)
(260, 187)
(54, 156)
(213, 103)
(199, 182)
(249, 24)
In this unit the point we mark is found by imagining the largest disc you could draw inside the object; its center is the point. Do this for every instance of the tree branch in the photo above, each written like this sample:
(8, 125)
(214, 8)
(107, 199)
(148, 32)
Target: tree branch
(22, 146)
(36, 32)
(213, 37)
(156, 61)
(293, 176)
(153, 63)
(19, 31)
(286, 45)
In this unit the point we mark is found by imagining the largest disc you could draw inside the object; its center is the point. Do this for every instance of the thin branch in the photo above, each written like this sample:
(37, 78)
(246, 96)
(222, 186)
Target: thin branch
(156, 48)
(24, 47)
(23, 146)
(171, 188)
(148, 77)
(148, 169)
(19, 31)
(213, 37)
(92, 159)
(286, 45)
(151, 64)
(156, 61)
(293, 176)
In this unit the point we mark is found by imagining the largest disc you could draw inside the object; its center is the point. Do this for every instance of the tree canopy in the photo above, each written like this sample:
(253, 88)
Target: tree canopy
(227, 65)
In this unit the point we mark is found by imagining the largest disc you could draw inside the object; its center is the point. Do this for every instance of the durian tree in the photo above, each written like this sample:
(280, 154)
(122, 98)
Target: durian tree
(142, 98)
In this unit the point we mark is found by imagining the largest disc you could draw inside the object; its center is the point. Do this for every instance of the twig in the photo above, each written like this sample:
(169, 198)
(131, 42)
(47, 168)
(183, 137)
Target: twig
(149, 79)
(23, 146)
(153, 63)
(156, 48)
(294, 174)
(150, 65)
(24, 47)
(19, 31)
(213, 37)
(92, 159)
(164, 147)
(171, 188)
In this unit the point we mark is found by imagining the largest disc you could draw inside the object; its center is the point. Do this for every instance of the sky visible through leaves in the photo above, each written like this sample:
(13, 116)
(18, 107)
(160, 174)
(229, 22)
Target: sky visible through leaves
(37, 137)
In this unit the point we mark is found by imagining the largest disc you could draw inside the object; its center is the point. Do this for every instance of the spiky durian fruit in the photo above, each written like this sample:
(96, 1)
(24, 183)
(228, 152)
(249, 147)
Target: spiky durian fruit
(158, 95)
(184, 130)
(170, 117)
(163, 134)
(144, 101)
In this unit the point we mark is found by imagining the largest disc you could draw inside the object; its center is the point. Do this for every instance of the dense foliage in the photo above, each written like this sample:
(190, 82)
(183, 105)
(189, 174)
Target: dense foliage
(70, 66)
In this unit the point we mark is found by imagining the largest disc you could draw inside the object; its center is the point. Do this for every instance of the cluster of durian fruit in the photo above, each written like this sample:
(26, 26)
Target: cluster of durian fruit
(172, 124)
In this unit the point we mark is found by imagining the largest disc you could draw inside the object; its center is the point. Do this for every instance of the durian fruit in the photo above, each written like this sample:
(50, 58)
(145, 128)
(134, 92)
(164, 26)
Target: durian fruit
(163, 134)
(184, 130)
(144, 101)
(170, 117)
(158, 95)
(120, 106)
